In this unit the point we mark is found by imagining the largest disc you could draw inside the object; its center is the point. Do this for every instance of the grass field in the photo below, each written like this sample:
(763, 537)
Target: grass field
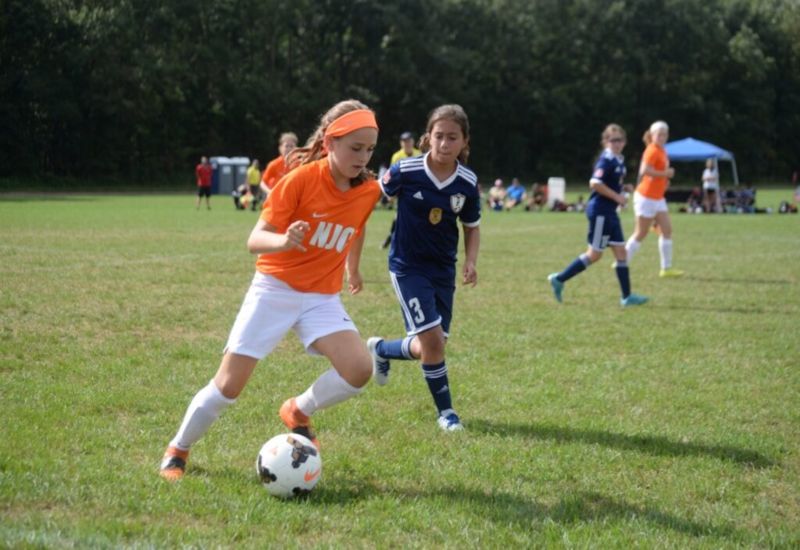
(670, 425)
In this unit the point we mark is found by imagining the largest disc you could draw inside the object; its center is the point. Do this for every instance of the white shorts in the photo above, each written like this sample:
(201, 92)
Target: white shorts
(271, 308)
(648, 208)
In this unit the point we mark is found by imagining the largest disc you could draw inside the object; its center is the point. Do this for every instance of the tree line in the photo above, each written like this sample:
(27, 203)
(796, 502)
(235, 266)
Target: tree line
(139, 89)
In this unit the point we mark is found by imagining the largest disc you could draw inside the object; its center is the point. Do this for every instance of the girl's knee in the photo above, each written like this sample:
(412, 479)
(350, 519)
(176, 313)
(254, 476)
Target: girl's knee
(362, 372)
(358, 371)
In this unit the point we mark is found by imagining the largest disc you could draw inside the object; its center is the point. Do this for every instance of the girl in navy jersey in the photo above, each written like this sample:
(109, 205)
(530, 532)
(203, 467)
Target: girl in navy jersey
(434, 192)
(604, 225)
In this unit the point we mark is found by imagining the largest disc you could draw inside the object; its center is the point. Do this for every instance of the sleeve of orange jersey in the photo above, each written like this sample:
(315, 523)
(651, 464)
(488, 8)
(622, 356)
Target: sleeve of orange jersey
(282, 203)
(649, 154)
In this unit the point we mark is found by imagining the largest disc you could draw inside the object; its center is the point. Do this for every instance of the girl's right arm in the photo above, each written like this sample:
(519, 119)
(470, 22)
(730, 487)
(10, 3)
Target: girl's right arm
(265, 239)
(606, 191)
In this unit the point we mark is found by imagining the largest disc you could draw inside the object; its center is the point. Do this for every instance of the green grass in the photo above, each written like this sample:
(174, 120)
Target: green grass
(671, 425)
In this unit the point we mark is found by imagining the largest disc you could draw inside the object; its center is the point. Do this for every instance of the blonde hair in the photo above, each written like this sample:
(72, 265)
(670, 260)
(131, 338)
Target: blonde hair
(288, 136)
(447, 112)
(647, 138)
(611, 129)
(314, 149)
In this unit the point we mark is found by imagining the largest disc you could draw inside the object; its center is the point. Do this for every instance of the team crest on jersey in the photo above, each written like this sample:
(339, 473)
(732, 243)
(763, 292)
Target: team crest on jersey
(435, 215)
(457, 202)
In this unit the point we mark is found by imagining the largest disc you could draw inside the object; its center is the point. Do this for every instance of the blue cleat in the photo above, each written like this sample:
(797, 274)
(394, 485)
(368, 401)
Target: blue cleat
(449, 421)
(633, 300)
(380, 365)
(557, 285)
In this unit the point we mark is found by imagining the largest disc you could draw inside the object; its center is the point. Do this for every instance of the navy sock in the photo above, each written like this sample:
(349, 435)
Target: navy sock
(624, 278)
(395, 349)
(436, 377)
(578, 264)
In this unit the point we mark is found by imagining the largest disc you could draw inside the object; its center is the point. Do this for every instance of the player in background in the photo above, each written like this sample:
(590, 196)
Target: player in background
(433, 192)
(407, 150)
(605, 228)
(277, 167)
(203, 173)
(649, 203)
(310, 231)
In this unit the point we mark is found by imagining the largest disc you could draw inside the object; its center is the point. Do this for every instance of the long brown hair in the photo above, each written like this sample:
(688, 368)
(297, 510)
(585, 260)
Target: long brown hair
(447, 112)
(314, 149)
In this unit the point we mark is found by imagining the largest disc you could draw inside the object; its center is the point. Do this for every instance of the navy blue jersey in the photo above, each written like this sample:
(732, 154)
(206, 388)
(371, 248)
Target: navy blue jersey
(426, 236)
(610, 170)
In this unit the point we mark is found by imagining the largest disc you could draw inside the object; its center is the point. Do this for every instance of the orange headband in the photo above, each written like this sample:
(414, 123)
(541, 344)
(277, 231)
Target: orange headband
(350, 122)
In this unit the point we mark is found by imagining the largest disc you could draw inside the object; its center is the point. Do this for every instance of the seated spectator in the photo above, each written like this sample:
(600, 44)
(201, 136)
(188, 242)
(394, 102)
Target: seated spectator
(729, 201)
(694, 204)
(242, 197)
(515, 194)
(537, 198)
(497, 195)
(746, 200)
(579, 206)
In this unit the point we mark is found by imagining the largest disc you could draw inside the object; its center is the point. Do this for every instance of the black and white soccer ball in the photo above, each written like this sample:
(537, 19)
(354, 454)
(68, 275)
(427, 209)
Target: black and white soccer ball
(289, 465)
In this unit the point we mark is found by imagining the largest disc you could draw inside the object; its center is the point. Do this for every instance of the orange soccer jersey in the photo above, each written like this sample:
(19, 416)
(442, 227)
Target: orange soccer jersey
(274, 171)
(650, 186)
(336, 217)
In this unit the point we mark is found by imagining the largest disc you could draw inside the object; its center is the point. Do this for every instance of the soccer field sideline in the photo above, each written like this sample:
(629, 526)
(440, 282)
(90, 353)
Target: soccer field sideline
(587, 425)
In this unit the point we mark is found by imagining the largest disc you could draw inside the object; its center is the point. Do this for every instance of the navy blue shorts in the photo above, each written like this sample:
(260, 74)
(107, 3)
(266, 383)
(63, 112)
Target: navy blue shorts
(425, 302)
(203, 191)
(605, 230)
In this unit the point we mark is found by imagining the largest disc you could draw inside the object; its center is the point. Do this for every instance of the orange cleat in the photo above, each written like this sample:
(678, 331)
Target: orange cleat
(297, 421)
(173, 465)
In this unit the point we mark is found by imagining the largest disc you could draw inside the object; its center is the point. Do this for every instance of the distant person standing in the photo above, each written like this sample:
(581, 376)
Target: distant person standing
(277, 167)
(407, 150)
(711, 199)
(253, 181)
(202, 173)
(649, 203)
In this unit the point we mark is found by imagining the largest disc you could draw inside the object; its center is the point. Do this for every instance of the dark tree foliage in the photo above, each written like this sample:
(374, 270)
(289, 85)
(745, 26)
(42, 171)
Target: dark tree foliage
(139, 89)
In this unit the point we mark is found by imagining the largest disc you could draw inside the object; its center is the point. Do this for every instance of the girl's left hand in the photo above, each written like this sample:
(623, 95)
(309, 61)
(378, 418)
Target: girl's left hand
(354, 282)
(470, 274)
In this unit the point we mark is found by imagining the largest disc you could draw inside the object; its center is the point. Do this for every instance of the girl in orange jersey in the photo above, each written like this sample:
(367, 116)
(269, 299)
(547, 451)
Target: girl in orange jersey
(649, 204)
(310, 231)
(277, 167)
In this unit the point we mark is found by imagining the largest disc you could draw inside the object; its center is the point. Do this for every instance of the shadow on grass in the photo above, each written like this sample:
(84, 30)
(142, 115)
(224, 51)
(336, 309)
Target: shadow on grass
(44, 197)
(745, 281)
(506, 508)
(744, 310)
(654, 445)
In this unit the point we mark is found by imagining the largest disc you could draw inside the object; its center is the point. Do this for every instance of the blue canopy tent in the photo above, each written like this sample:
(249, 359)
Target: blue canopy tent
(691, 149)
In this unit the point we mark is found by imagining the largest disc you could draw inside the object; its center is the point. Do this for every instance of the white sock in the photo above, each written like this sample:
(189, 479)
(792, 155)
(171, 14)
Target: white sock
(329, 389)
(204, 409)
(631, 247)
(665, 248)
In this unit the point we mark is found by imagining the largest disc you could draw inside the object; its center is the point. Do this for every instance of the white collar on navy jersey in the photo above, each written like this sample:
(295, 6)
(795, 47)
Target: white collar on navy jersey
(439, 184)
(608, 153)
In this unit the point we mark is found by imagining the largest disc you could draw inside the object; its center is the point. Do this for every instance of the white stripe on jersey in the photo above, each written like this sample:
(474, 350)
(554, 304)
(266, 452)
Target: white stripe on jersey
(467, 174)
(412, 164)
